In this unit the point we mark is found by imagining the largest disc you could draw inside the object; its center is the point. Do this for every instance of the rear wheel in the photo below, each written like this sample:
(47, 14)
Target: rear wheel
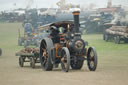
(65, 59)
(92, 59)
(45, 54)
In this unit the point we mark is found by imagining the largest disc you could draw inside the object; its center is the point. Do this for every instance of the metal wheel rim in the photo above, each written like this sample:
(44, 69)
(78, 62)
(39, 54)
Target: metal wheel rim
(91, 58)
(44, 55)
(65, 59)
(64, 62)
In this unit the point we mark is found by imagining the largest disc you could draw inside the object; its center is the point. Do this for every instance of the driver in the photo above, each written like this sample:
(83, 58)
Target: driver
(28, 28)
(55, 34)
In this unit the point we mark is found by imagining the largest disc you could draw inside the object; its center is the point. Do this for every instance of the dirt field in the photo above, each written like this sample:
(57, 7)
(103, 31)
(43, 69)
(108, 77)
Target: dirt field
(112, 64)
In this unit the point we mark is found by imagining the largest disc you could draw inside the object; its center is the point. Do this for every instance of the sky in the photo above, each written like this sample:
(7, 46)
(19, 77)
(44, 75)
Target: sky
(14, 4)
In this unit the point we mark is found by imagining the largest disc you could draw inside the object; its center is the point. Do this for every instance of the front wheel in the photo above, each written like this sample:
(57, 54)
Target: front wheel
(92, 59)
(65, 59)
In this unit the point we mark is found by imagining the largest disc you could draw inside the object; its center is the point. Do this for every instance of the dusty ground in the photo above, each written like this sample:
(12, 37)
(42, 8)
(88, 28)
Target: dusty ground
(112, 69)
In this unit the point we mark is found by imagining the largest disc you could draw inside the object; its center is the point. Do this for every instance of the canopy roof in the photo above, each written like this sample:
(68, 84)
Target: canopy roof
(63, 24)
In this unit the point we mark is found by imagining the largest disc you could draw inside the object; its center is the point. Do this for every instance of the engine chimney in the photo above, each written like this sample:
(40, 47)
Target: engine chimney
(76, 13)
(109, 5)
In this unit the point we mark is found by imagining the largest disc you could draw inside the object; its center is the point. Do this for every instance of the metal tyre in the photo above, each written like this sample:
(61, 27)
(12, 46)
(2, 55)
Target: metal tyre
(65, 59)
(32, 62)
(21, 61)
(92, 59)
(45, 54)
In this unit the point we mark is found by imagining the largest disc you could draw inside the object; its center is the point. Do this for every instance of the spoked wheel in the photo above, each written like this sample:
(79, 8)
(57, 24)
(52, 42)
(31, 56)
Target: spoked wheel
(45, 54)
(21, 61)
(65, 59)
(32, 62)
(92, 59)
(76, 64)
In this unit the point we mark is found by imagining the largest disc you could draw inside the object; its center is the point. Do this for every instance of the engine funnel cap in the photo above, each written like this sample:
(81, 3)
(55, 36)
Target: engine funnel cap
(75, 11)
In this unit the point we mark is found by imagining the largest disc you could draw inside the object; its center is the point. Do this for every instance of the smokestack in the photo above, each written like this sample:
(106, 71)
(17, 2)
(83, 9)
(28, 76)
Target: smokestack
(109, 5)
(76, 12)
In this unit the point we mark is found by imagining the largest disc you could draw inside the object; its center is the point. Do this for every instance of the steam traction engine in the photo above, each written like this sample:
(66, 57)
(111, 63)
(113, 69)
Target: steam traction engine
(65, 46)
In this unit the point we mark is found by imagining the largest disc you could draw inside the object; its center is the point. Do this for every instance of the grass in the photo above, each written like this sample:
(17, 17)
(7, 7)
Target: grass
(8, 38)
(109, 53)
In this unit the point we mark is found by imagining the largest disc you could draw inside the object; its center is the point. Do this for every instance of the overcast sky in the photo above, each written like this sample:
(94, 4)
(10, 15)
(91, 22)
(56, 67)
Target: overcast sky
(9, 4)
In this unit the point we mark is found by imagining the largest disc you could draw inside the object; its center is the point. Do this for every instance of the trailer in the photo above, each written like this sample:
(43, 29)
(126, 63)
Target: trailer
(116, 33)
(28, 55)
